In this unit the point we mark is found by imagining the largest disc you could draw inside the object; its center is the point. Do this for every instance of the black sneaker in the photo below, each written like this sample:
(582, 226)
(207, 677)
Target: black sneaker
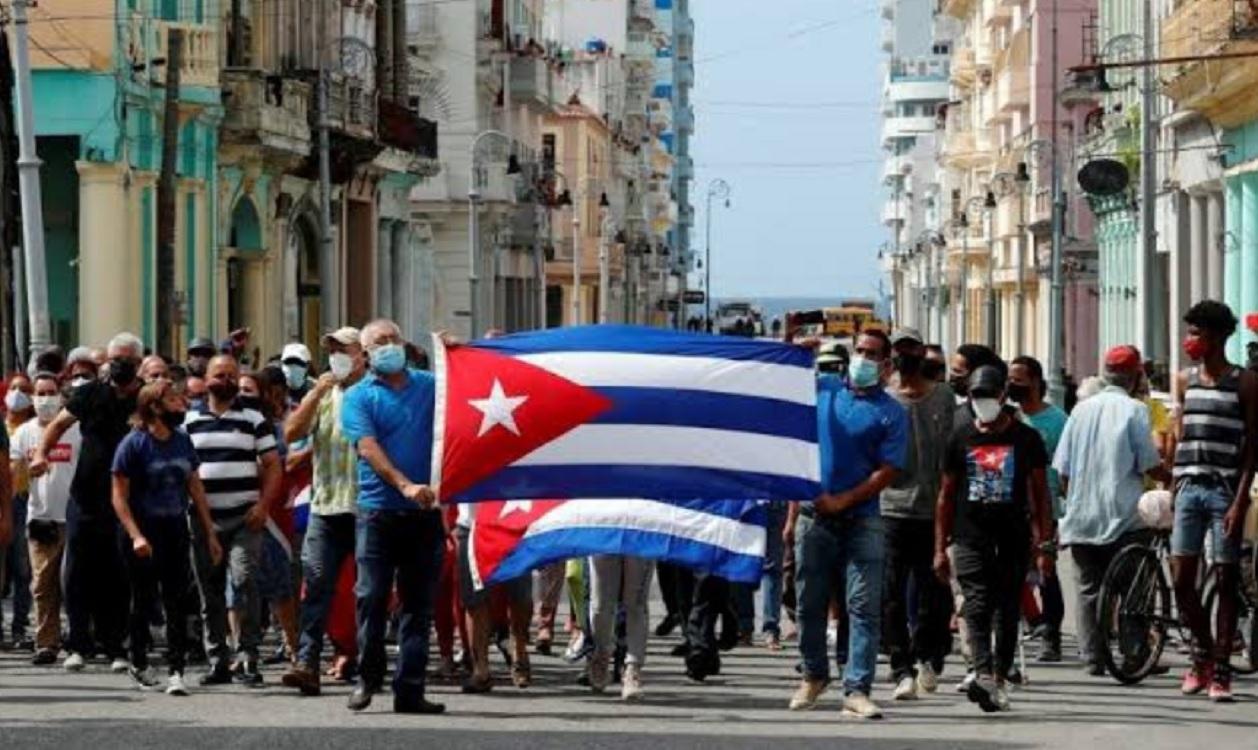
(247, 674)
(667, 625)
(218, 675)
(44, 657)
(983, 692)
(417, 706)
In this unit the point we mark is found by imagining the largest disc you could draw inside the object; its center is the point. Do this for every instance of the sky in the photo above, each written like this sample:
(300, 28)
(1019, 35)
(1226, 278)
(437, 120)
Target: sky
(786, 112)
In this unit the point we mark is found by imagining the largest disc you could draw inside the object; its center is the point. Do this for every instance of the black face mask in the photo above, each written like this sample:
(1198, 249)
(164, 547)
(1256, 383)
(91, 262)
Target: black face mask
(122, 371)
(960, 384)
(1018, 393)
(250, 402)
(908, 364)
(932, 369)
(173, 419)
(224, 391)
(197, 365)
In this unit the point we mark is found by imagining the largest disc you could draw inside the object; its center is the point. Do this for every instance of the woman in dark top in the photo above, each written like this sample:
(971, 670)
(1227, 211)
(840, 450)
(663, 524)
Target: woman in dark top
(154, 475)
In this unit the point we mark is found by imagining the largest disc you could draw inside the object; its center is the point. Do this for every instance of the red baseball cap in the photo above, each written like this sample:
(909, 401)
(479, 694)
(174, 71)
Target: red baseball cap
(1124, 358)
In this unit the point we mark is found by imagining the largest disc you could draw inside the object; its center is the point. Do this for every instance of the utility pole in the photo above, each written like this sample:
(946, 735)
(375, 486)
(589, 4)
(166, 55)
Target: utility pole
(1149, 311)
(1057, 298)
(329, 312)
(9, 249)
(990, 205)
(28, 179)
(164, 343)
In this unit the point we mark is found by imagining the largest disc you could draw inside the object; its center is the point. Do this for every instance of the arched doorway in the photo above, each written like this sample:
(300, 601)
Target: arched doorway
(304, 250)
(243, 267)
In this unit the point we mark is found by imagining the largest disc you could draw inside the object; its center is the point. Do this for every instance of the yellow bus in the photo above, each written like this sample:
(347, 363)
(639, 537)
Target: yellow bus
(851, 320)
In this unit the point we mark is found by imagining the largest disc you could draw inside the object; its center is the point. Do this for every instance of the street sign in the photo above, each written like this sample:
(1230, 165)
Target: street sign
(695, 296)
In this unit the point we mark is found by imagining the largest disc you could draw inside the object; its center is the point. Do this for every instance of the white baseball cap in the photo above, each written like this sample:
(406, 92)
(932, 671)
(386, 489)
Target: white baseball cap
(296, 351)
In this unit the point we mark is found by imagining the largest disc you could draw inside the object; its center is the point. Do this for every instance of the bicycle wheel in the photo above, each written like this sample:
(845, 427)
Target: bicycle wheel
(1135, 608)
(1243, 641)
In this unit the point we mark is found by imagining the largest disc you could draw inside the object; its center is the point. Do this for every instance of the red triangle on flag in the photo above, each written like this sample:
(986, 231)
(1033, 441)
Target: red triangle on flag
(498, 527)
(499, 409)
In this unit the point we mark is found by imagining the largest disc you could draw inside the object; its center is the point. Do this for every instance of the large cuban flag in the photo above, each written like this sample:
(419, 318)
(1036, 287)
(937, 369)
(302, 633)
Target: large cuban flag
(624, 412)
(512, 537)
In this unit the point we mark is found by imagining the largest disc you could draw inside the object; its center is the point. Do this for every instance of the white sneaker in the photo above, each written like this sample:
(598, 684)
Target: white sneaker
(175, 685)
(905, 689)
(119, 666)
(806, 696)
(860, 706)
(927, 680)
(832, 634)
(599, 676)
(631, 683)
(964, 685)
(74, 662)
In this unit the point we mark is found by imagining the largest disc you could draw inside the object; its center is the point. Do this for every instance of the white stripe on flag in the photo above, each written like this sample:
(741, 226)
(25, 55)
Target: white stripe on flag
(668, 445)
(654, 516)
(729, 376)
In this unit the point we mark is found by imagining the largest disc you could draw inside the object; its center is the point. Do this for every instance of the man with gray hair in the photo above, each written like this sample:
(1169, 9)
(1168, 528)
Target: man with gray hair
(96, 581)
(1105, 452)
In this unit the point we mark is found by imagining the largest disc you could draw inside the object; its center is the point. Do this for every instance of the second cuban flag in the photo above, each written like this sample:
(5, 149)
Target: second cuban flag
(621, 411)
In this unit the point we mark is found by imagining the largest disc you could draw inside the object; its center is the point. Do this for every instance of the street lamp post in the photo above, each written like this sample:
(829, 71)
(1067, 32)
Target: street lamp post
(989, 207)
(1023, 178)
(720, 190)
(473, 227)
(604, 259)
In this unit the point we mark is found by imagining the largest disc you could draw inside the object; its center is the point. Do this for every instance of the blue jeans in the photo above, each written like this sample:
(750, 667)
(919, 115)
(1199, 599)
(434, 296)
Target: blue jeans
(329, 544)
(851, 548)
(408, 544)
(17, 567)
(771, 579)
(1200, 506)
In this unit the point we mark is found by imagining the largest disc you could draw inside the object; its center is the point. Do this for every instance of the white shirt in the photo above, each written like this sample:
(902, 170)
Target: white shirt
(50, 493)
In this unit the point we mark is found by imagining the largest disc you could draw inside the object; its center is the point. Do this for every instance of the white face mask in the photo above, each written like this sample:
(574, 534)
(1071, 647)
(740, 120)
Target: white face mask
(341, 365)
(295, 375)
(47, 407)
(986, 409)
(17, 401)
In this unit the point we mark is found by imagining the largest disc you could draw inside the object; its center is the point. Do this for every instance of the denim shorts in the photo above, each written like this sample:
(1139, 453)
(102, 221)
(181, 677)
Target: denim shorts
(1200, 507)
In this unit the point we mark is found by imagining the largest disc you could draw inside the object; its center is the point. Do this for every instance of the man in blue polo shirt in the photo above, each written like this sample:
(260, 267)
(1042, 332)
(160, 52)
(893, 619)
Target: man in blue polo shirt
(388, 416)
(864, 438)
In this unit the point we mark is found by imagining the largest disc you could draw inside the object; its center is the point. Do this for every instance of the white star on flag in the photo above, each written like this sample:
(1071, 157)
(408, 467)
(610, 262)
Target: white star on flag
(499, 409)
(515, 506)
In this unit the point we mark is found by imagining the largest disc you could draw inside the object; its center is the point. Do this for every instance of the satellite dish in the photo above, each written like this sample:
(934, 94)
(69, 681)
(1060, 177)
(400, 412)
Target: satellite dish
(1104, 177)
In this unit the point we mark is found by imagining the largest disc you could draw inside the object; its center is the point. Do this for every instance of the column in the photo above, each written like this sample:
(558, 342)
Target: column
(384, 269)
(1249, 258)
(1198, 246)
(1185, 235)
(109, 253)
(1232, 256)
(1213, 245)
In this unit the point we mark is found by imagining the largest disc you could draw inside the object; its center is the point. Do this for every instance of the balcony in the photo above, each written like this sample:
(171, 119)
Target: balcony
(1013, 90)
(424, 30)
(685, 168)
(531, 83)
(1221, 90)
(269, 112)
(888, 38)
(351, 107)
(957, 8)
(642, 10)
(963, 67)
(684, 73)
(404, 130)
(906, 127)
(684, 120)
(147, 40)
(916, 88)
(895, 167)
(887, 9)
(895, 211)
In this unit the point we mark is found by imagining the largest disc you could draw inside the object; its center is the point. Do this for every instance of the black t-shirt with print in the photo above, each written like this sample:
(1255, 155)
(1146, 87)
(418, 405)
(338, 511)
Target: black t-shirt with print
(992, 470)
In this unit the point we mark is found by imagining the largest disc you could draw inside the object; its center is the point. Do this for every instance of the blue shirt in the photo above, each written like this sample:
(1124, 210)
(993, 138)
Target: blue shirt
(1104, 452)
(1050, 423)
(401, 421)
(858, 434)
(158, 472)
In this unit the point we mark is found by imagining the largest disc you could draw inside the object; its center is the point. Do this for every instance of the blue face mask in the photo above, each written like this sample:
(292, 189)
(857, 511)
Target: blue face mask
(294, 375)
(863, 373)
(389, 359)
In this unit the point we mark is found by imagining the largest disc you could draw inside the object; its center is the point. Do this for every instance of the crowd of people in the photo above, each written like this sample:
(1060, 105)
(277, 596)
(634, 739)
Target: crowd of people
(219, 502)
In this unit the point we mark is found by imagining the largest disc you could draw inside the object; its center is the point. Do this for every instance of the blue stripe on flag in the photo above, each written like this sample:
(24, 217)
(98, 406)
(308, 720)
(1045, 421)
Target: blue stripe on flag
(650, 482)
(720, 411)
(642, 340)
(534, 552)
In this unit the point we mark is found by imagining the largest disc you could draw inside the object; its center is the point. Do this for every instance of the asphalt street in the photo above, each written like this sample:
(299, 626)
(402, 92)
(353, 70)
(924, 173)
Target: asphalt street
(745, 707)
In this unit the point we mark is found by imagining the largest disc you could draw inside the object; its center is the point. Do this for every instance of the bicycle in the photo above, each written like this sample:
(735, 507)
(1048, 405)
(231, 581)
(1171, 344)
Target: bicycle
(1137, 610)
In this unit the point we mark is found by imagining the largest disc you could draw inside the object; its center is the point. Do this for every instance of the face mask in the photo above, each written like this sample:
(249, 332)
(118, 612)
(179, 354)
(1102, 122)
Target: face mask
(960, 384)
(250, 402)
(1195, 348)
(122, 372)
(224, 391)
(17, 401)
(341, 365)
(47, 407)
(1019, 394)
(294, 375)
(173, 419)
(862, 372)
(389, 359)
(908, 364)
(986, 409)
(932, 369)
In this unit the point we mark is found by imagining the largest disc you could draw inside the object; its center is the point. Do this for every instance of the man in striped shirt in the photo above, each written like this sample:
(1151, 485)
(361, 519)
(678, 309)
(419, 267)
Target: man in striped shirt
(1214, 467)
(240, 469)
